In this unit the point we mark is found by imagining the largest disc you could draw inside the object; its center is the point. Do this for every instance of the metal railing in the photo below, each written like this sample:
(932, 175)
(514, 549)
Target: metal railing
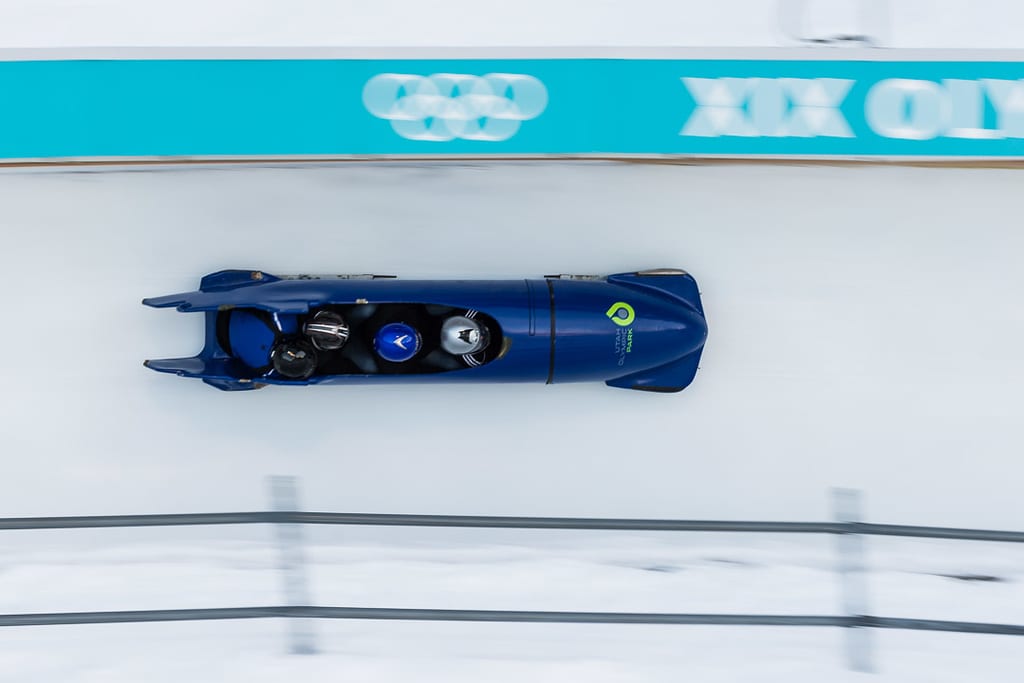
(288, 521)
(489, 522)
(510, 616)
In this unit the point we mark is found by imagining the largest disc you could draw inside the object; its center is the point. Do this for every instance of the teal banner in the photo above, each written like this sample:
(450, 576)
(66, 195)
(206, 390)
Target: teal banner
(508, 107)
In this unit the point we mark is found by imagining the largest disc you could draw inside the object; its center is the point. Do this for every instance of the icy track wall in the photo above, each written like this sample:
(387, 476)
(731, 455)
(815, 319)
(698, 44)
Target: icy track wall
(253, 104)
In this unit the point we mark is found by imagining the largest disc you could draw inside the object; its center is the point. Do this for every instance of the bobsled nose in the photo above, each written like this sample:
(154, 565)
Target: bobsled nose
(678, 332)
(691, 332)
(673, 362)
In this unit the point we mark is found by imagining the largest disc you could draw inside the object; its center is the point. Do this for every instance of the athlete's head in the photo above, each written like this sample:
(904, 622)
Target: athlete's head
(397, 342)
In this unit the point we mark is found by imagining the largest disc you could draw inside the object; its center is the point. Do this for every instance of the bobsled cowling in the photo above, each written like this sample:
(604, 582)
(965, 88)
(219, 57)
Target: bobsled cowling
(642, 330)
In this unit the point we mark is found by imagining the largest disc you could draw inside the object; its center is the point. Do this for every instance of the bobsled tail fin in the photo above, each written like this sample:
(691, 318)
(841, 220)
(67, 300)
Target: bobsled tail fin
(169, 301)
(668, 378)
(195, 366)
(183, 367)
(221, 281)
(217, 372)
(676, 283)
(237, 385)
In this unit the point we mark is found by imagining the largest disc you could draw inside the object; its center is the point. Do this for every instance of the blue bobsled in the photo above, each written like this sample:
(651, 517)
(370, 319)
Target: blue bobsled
(643, 330)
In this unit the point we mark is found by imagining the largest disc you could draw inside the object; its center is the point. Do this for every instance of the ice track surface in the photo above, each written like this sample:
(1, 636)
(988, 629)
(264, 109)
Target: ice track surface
(865, 330)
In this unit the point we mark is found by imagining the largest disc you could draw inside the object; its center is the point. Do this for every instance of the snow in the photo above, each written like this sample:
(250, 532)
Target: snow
(871, 342)
(509, 570)
(865, 332)
(526, 23)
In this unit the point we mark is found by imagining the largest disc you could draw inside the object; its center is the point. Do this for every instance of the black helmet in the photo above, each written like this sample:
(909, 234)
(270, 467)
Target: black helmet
(294, 358)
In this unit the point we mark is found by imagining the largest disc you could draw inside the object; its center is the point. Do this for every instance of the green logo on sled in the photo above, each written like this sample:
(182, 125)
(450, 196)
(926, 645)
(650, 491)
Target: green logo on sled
(621, 313)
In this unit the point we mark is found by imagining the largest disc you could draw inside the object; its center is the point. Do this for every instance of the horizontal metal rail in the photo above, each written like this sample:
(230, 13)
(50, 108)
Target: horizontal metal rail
(486, 522)
(502, 616)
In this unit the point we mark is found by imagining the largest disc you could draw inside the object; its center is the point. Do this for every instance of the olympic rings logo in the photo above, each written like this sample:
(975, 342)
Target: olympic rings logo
(443, 107)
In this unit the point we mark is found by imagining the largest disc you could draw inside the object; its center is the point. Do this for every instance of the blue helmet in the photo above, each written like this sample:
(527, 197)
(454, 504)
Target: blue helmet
(397, 342)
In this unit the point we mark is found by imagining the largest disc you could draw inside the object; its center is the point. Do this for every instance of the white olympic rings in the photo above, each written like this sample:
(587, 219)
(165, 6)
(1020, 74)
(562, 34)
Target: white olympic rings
(443, 107)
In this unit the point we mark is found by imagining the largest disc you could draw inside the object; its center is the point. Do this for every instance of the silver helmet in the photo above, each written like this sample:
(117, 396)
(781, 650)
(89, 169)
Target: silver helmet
(327, 330)
(461, 335)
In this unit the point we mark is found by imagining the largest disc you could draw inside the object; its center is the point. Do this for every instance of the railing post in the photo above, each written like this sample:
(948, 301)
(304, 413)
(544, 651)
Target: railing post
(854, 590)
(873, 18)
(285, 498)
